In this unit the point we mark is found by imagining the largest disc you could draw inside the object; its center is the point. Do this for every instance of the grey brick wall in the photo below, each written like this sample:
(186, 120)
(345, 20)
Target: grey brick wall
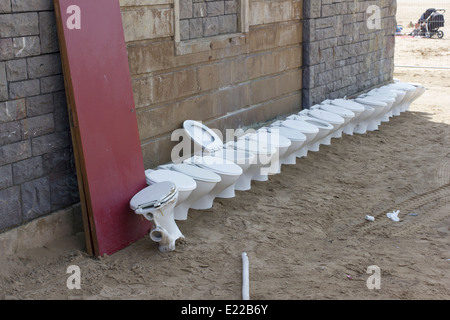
(205, 18)
(342, 55)
(37, 171)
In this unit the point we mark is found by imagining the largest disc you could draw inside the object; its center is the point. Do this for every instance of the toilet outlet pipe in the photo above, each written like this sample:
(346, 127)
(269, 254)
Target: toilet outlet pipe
(245, 277)
(165, 240)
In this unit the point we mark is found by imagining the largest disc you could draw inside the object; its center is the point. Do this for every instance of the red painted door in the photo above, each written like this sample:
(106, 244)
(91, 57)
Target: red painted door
(103, 121)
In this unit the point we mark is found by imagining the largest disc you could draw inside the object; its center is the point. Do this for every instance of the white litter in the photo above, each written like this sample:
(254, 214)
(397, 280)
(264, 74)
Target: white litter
(370, 218)
(245, 278)
(393, 215)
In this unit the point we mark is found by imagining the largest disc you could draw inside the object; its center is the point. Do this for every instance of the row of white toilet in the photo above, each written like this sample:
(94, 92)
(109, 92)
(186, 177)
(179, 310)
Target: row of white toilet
(223, 168)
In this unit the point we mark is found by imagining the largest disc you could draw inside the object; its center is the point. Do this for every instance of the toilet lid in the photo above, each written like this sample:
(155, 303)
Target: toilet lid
(391, 91)
(216, 164)
(383, 92)
(291, 134)
(196, 173)
(338, 110)
(268, 138)
(154, 195)
(348, 104)
(401, 85)
(370, 101)
(326, 116)
(182, 181)
(235, 155)
(252, 146)
(301, 126)
(381, 96)
(202, 135)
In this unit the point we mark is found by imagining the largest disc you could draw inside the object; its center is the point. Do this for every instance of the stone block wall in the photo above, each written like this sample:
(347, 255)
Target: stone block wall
(37, 173)
(342, 54)
(201, 18)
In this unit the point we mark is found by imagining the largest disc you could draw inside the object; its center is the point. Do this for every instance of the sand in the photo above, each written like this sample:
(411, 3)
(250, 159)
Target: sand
(304, 229)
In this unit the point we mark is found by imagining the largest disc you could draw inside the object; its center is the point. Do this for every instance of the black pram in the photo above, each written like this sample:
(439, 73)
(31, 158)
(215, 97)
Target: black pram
(429, 23)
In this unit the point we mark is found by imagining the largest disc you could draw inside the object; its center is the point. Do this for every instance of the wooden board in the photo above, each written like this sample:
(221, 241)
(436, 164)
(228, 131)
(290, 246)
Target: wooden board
(105, 135)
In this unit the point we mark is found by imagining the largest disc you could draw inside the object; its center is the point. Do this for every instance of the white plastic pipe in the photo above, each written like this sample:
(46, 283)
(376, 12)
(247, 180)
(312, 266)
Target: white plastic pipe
(423, 67)
(245, 277)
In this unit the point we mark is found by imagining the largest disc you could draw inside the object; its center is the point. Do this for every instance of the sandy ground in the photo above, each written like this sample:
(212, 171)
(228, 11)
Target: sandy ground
(304, 230)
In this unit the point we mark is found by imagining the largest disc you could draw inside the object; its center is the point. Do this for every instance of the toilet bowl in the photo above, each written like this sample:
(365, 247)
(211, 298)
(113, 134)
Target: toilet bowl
(266, 138)
(410, 93)
(185, 186)
(156, 203)
(264, 154)
(201, 198)
(346, 114)
(325, 129)
(335, 120)
(372, 122)
(297, 139)
(309, 130)
(398, 95)
(387, 97)
(363, 120)
(356, 108)
(245, 160)
(228, 171)
(420, 89)
(212, 145)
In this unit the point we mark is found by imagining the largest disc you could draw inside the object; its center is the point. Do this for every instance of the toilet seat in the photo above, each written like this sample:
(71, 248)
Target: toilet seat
(183, 182)
(264, 137)
(348, 104)
(305, 127)
(345, 113)
(196, 173)
(370, 101)
(216, 164)
(202, 135)
(235, 155)
(291, 134)
(252, 146)
(326, 116)
(154, 196)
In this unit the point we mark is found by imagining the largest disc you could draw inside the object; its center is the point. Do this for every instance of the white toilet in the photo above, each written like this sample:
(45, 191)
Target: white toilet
(156, 203)
(410, 93)
(185, 186)
(267, 139)
(297, 139)
(346, 114)
(201, 198)
(212, 145)
(388, 97)
(336, 121)
(420, 89)
(258, 171)
(309, 130)
(356, 108)
(397, 94)
(372, 122)
(325, 129)
(228, 171)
